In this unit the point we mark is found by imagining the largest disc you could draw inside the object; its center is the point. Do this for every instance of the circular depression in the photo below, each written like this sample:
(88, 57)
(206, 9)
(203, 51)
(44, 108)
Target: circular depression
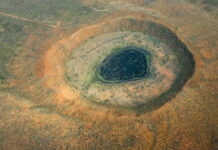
(169, 61)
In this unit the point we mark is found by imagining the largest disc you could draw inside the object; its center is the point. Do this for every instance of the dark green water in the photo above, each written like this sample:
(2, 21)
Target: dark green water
(127, 64)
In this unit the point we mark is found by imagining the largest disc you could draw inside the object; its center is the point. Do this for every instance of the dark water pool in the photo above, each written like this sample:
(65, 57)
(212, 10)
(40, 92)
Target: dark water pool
(127, 64)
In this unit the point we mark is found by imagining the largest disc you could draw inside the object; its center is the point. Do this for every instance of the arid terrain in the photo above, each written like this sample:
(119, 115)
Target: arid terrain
(50, 98)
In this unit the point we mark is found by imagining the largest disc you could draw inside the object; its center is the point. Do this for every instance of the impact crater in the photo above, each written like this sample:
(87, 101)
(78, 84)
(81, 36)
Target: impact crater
(131, 63)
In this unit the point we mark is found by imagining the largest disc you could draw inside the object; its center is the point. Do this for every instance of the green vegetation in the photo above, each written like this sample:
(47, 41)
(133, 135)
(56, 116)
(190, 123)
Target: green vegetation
(210, 2)
(12, 37)
(14, 32)
(41, 10)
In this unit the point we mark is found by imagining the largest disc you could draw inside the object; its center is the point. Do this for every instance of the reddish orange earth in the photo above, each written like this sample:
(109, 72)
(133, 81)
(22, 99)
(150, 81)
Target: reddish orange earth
(39, 110)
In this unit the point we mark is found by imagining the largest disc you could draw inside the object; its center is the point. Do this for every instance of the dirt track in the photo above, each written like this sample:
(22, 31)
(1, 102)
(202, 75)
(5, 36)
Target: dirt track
(29, 20)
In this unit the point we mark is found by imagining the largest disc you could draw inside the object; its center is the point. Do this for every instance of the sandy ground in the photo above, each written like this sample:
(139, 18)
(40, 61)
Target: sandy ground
(40, 111)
